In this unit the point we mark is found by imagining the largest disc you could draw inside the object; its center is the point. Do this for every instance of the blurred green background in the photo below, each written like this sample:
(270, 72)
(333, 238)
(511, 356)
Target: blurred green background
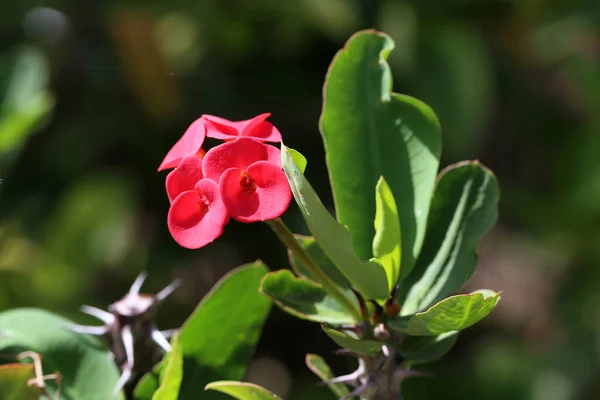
(93, 94)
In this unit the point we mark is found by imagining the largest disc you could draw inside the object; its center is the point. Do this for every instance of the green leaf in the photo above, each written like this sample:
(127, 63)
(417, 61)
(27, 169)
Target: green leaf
(369, 132)
(218, 339)
(303, 298)
(424, 349)
(86, 369)
(172, 374)
(310, 245)
(242, 390)
(335, 240)
(298, 158)
(386, 243)
(463, 209)
(26, 101)
(452, 314)
(320, 368)
(364, 347)
(13, 382)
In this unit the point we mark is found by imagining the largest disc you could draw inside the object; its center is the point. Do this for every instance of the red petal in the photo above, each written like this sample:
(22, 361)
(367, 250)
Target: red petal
(184, 177)
(238, 154)
(262, 130)
(190, 143)
(270, 200)
(189, 225)
(221, 128)
(256, 128)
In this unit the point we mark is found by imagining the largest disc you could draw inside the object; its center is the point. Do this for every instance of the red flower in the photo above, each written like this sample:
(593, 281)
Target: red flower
(197, 217)
(184, 177)
(189, 144)
(255, 128)
(252, 185)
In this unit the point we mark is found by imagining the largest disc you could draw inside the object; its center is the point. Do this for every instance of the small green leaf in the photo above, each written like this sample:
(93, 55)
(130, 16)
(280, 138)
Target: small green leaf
(370, 132)
(310, 245)
(218, 339)
(303, 298)
(335, 240)
(82, 361)
(320, 368)
(298, 158)
(386, 243)
(242, 390)
(464, 208)
(424, 349)
(364, 347)
(171, 376)
(13, 382)
(452, 314)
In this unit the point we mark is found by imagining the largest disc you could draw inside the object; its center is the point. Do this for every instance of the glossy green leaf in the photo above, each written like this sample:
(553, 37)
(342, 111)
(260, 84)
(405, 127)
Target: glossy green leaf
(218, 339)
(172, 374)
(370, 132)
(365, 347)
(242, 390)
(320, 368)
(452, 314)
(335, 239)
(298, 158)
(463, 209)
(424, 349)
(13, 382)
(84, 364)
(310, 245)
(386, 243)
(303, 298)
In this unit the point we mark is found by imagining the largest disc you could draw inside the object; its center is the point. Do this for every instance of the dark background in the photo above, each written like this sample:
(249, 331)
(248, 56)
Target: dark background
(515, 84)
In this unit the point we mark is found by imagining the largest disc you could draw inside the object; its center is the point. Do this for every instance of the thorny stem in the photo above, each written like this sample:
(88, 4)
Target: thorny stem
(288, 239)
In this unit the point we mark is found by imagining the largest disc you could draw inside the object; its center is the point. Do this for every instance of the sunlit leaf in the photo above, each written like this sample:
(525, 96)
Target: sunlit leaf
(303, 298)
(218, 339)
(310, 245)
(463, 209)
(452, 314)
(172, 374)
(370, 132)
(335, 240)
(242, 390)
(386, 243)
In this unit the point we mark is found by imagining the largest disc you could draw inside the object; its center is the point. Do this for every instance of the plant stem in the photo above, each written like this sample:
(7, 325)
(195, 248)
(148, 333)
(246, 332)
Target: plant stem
(288, 239)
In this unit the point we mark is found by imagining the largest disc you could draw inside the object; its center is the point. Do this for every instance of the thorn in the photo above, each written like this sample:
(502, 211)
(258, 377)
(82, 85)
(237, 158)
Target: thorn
(127, 338)
(137, 284)
(350, 378)
(168, 333)
(102, 315)
(88, 330)
(386, 351)
(361, 302)
(161, 340)
(366, 390)
(401, 373)
(163, 294)
(123, 379)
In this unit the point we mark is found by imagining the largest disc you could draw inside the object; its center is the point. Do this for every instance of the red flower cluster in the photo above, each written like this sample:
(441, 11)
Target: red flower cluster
(241, 178)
